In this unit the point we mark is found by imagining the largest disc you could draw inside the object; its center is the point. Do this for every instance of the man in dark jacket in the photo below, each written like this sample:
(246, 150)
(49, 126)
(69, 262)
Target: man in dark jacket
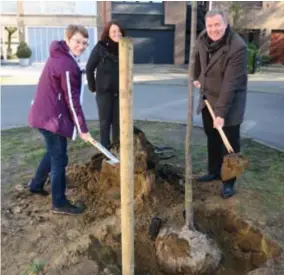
(221, 74)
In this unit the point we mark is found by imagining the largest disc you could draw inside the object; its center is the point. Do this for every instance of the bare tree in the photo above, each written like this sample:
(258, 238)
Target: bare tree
(188, 157)
(237, 12)
(20, 21)
(11, 30)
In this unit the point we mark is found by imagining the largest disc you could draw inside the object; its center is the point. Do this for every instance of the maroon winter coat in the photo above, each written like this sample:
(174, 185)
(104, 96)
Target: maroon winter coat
(57, 103)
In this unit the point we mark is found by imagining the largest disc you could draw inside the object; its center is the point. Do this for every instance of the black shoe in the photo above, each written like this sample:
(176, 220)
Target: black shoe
(40, 192)
(68, 209)
(208, 177)
(228, 190)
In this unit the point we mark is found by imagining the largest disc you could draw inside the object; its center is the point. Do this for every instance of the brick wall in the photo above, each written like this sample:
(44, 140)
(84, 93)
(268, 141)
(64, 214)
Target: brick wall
(175, 13)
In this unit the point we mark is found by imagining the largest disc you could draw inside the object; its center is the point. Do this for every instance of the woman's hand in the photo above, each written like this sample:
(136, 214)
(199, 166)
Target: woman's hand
(86, 136)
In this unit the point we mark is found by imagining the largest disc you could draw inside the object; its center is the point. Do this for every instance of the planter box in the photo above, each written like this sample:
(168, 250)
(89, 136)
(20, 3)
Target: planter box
(24, 61)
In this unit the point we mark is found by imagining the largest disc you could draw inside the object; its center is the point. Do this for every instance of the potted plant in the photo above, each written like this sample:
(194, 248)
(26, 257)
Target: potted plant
(24, 53)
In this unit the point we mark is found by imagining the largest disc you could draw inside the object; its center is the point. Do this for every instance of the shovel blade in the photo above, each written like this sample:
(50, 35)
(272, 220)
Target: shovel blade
(113, 163)
(234, 165)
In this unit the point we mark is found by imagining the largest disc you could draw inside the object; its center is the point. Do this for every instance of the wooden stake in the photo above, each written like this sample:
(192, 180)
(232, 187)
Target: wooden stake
(126, 154)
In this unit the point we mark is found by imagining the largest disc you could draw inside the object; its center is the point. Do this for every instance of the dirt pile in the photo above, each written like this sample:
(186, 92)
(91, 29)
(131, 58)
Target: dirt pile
(97, 185)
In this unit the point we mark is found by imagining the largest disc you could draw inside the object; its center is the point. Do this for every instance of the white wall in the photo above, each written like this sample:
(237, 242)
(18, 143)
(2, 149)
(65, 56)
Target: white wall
(84, 7)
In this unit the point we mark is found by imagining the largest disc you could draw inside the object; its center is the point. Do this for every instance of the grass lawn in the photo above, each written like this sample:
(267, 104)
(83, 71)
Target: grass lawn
(261, 188)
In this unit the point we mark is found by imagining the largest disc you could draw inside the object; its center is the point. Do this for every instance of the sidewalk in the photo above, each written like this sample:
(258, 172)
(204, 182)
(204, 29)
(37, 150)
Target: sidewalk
(174, 75)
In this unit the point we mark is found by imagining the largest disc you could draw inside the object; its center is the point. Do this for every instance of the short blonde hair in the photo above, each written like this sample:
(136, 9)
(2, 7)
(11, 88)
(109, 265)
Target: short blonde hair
(73, 29)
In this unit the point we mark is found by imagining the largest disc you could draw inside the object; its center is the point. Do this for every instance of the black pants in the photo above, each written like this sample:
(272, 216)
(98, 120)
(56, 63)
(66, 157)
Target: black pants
(108, 106)
(215, 147)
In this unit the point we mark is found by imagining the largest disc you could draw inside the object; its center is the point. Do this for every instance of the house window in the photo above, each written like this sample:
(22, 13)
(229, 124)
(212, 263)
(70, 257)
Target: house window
(251, 4)
(9, 7)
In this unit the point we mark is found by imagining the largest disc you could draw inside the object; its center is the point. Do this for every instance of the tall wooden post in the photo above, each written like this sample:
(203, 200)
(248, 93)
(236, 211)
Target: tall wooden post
(126, 154)
(188, 157)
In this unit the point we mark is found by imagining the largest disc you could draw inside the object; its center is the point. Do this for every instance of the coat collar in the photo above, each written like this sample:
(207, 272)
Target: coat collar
(77, 60)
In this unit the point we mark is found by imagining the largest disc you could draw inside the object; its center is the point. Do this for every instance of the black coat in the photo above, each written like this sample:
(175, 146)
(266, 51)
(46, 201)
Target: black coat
(105, 64)
(224, 79)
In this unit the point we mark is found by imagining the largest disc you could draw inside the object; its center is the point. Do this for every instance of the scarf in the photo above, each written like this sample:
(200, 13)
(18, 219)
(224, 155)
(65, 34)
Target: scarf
(213, 46)
(111, 46)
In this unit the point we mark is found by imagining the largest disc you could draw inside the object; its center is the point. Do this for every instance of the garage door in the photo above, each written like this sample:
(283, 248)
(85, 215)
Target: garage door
(152, 46)
(277, 47)
(39, 39)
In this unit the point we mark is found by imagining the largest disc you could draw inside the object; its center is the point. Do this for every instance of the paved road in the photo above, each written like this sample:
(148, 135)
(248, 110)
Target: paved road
(264, 117)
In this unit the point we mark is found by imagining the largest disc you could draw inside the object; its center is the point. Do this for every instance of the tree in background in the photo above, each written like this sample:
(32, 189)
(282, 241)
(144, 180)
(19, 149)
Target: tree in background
(237, 14)
(20, 21)
(11, 30)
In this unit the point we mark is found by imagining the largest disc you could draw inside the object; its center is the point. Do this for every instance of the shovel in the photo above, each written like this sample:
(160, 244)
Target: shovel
(234, 164)
(113, 160)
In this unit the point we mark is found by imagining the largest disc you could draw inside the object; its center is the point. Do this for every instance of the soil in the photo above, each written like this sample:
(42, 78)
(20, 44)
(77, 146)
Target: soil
(90, 244)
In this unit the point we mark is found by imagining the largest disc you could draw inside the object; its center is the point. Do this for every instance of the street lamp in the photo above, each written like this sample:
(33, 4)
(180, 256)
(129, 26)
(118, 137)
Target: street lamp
(210, 5)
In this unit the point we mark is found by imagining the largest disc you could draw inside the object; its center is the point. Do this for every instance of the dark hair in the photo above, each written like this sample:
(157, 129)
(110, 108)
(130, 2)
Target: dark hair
(105, 32)
(73, 29)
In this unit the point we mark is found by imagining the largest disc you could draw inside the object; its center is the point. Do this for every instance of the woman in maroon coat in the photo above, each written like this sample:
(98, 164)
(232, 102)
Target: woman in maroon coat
(57, 113)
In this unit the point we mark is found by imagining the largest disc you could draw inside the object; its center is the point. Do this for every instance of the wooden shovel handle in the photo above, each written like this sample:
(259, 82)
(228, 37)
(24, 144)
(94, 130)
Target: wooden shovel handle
(219, 129)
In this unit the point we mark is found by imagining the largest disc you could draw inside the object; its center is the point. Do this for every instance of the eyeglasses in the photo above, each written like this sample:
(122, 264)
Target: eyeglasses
(78, 42)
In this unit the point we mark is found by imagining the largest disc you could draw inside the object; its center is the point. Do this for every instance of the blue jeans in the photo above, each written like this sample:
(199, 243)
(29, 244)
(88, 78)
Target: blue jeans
(54, 162)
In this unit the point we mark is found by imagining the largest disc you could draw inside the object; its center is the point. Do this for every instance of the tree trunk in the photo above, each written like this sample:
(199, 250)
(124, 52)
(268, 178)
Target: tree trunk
(11, 31)
(20, 21)
(188, 157)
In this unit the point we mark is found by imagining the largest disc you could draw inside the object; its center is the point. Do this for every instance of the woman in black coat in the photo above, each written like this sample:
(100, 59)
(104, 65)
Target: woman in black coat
(102, 72)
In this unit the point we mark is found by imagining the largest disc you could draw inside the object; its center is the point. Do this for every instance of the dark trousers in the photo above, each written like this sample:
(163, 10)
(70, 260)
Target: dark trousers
(215, 147)
(108, 107)
(54, 162)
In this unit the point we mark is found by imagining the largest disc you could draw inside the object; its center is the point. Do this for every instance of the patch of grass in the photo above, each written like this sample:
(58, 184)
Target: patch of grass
(34, 156)
(79, 143)
(265, 173)
(35, 268)
(22, 149)
(199, 158)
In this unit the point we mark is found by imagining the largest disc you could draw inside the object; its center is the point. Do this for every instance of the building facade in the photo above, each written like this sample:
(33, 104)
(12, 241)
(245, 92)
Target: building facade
(261, 23)
(160, 30)
(43, 21)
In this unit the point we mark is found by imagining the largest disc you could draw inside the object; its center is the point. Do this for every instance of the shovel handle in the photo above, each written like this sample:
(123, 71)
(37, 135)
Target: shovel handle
(219, 129)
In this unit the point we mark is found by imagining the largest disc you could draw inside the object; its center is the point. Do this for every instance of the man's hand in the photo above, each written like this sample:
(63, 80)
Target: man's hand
(218, 122)
(196, 84)
(86, 136)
